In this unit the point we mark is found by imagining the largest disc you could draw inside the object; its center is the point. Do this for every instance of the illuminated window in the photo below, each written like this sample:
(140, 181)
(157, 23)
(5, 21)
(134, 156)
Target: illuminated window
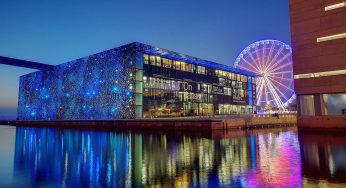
(206, 88)
(176, 65)
(191, 68)
(238, 77)
(146, 59)
(222, 82)
(209, 88)
(158, 61)
(167, 63)
(152, 60)
(229, 75)
(243, 78)
(184, 66)
(201, 70)
(227, 91)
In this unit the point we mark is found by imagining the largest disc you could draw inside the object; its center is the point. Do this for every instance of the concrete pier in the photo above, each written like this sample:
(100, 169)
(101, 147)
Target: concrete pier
(335, 124)
(199, 124)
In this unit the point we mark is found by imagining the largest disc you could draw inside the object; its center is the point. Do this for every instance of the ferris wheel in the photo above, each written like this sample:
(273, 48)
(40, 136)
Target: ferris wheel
(272, 61)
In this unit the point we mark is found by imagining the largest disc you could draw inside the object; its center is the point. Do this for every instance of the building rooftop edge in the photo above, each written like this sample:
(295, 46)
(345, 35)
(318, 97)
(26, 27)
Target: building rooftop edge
(153, 50)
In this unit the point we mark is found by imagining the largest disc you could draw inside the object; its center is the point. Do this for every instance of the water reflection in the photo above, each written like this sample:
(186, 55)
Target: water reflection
(323, 160)
(75, 158)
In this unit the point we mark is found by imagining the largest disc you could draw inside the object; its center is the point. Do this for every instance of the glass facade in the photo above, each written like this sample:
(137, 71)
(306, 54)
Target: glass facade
(174, 88)
(334, 104)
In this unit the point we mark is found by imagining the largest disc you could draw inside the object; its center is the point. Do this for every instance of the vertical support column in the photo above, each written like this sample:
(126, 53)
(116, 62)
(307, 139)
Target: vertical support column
(299, 113)
(323, 106)
(318, 105)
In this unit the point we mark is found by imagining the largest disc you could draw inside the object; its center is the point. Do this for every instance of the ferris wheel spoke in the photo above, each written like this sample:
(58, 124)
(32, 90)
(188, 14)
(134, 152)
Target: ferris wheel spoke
(260, 90)
(263, 54)
(274, 94)
(255, 68)
(255, 62)
(282, 66)
(259, 59)
(266, 93)
(277, 89)
(279, 61)
(269, 55)
(281, 84)
(247, 69)
(274, 58)
(277, 97)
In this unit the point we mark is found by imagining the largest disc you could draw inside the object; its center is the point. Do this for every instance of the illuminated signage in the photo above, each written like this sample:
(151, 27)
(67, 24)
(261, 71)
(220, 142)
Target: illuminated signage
(186, 86)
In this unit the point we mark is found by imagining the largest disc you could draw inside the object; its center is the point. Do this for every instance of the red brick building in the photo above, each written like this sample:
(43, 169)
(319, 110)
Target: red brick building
(318, 29)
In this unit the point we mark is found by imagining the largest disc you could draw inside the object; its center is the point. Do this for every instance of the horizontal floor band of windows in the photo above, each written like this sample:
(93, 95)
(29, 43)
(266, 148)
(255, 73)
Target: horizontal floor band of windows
(331, 37)
(320, 74)
(191, 81)
(180, 79)
(335, 6)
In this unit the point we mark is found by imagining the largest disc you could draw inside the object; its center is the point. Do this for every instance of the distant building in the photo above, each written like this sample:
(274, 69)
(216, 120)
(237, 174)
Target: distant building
(319, 60)
(135, 81)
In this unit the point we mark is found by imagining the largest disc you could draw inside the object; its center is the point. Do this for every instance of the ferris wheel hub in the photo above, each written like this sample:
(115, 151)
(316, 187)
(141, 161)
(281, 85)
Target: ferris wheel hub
(264, 74)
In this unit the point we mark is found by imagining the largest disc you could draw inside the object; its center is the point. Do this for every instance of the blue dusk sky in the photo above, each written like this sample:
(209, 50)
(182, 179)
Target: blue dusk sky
(55, 32)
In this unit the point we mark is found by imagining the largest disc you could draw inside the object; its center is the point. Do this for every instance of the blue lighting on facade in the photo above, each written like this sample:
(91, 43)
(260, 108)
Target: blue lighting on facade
(250, 90)
(80, 89)
(115, 89)
(89, 87)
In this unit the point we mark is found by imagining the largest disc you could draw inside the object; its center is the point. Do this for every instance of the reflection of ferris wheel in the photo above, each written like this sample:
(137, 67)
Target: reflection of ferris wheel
(271, 60)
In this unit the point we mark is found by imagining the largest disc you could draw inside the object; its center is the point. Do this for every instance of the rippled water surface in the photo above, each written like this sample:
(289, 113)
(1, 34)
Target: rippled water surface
(51, 157)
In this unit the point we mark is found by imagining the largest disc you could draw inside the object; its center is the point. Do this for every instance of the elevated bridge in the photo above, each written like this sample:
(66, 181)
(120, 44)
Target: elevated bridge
(25, 63)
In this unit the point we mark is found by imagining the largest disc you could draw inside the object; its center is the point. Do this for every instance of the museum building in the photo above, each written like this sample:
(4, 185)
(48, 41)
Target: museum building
(136, 81)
